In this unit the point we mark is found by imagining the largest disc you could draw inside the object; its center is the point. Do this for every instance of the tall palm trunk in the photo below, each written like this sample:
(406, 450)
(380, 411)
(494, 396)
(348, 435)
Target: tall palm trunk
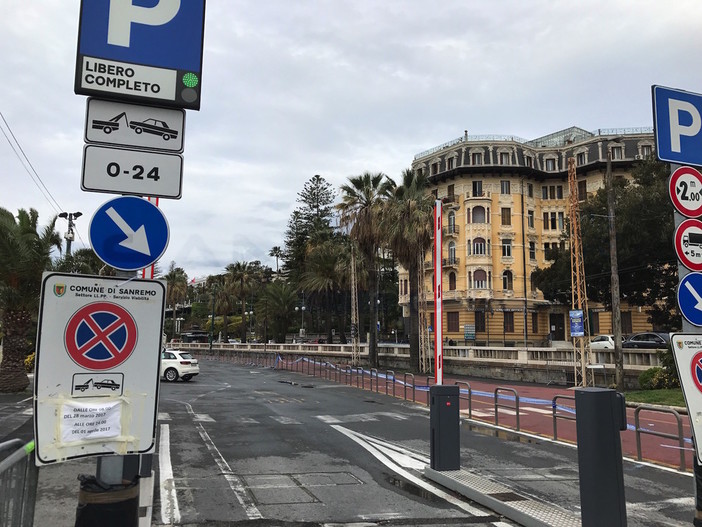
(373, 340)
(13, 376)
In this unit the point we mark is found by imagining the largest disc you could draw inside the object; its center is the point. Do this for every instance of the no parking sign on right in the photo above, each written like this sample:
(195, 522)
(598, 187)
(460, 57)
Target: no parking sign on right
(687, 349)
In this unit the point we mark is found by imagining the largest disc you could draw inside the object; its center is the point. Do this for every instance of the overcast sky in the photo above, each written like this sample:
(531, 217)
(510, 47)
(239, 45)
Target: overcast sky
(296, 88)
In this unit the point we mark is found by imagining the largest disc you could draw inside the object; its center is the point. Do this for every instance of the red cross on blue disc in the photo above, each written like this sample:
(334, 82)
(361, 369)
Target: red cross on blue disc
(100, 336)
(696, 367)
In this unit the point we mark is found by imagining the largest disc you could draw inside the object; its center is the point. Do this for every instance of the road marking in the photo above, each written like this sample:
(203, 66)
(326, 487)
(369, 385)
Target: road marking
(203, 418)
(248, 421)
(170, 512)
(28, 411)
(536, 410)
(285, 420)
(366, 443)
(360, 418)
(232, 479)
(164, 416)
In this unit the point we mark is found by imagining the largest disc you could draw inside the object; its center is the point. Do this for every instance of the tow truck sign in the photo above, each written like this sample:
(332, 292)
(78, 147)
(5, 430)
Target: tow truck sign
(141, 53)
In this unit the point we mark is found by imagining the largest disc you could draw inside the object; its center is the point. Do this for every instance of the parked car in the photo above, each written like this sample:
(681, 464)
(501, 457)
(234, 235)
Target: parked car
(647, 340)
(602, 342)
(176, 363)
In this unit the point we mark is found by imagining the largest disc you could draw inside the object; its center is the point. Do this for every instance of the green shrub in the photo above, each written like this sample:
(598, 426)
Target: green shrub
(657, 379)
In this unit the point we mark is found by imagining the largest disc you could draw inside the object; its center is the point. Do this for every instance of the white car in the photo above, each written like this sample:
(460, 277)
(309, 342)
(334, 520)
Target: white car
(175, 363)
(602, 342)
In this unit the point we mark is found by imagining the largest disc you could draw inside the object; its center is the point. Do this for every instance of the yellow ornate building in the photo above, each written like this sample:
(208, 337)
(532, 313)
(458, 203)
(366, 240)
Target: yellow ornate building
(505, 203)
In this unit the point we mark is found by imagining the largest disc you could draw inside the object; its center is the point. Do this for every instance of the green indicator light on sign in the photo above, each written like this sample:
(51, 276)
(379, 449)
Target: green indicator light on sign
(190, 80)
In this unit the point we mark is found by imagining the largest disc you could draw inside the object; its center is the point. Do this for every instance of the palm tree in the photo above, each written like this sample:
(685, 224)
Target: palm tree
(408, 224)
(176, 289)
(361, 208)
(276, 252)
(276, 307)
(25, 253)
(240, 275)
(322, 275)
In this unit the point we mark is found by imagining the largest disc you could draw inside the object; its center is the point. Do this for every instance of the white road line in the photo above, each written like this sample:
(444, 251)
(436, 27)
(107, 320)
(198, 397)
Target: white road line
(164, 416)
(232, 479)
(248, 421)
(170, 513)
(28, 411)
(363, 442)
(203, 418)
(536, 410)
(285, 420)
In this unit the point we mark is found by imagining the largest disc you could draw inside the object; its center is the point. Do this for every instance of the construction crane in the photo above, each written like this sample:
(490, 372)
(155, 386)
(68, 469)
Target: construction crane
(577, 267)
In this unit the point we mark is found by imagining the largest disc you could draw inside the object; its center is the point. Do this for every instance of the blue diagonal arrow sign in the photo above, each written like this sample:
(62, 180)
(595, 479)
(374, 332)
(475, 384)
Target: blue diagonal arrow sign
(129, 233)
(690, 298)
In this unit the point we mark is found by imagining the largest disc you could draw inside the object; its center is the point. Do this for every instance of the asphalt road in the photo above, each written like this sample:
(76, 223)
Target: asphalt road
(242, 444)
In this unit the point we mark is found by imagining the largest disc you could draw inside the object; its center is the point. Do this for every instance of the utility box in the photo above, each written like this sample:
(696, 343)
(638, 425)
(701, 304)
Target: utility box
(600, 417)
(444, 422)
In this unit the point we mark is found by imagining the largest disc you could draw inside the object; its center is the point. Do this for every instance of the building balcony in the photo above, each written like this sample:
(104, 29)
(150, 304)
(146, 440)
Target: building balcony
(454, 295)
(450, 262)
(483, 195)
(428, 264)
(451, 202)
(451, 230)
(480, 292)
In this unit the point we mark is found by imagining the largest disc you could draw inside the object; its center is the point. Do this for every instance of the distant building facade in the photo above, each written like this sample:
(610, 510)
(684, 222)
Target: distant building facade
(505, 203)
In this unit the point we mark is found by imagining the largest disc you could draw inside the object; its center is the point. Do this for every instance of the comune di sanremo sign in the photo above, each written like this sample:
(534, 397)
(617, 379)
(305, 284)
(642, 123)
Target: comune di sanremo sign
(97, 366)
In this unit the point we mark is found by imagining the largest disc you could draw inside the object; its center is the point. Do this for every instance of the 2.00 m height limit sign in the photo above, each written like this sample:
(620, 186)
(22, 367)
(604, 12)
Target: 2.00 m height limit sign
(685, 189)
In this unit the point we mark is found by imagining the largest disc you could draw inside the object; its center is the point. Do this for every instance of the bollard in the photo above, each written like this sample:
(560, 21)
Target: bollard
(600, 417)
(444, 423)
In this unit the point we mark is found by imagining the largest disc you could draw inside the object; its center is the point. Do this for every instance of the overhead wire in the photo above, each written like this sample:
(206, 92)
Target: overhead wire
(27, 165)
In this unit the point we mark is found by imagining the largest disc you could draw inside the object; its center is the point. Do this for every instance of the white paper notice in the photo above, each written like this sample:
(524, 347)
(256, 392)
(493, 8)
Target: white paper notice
(90, 421)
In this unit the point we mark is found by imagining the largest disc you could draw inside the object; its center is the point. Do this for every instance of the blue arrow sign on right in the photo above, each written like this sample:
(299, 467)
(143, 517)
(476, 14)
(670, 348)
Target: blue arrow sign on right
(129, 233)
(690, 298)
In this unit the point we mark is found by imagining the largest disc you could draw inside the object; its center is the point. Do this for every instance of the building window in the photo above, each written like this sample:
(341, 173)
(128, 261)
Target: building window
(476, 159)
(594, 322)
(420, 172)
(532, 250)
(508, 322)
(544, 192)
(480, 321)
(452, 252)
(550, 165)
(617, 152)
(561, 221)
(406, 284)
(534, 323)
(504, 187)
(449, 163)
(554, 225)
(477, 189)
(506, 248)
(452, 324)
(545, 220)
(452, 281)
(450, 190)
(547, 246)
(507, 281)
(559, 192)
(530, 219)
(434, 168)
(479, 246)
(528, 161)
(580, 159)
(582, 190)
(479, 215)
(626, 323)
(506, 216)
(504, 158)
(646, 151)
(552, 192)
(532, 280)
(530, 190)
(480, 279)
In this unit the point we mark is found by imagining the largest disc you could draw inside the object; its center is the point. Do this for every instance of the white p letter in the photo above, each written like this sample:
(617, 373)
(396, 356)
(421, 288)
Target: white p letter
(123, 13)
(676, 106)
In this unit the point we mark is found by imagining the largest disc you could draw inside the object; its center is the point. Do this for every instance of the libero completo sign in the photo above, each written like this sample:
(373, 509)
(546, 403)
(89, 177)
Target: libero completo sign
(141, 54)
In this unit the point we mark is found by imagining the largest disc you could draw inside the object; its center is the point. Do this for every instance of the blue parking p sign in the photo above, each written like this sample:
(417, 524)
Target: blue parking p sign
(677, 117)
(147, 51)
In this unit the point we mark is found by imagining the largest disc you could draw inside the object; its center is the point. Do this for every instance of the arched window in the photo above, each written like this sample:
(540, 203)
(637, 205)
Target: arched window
(480, 279)
(452, 281)
(507, 281)
(452, 252)
(479, 246)
(478, 214)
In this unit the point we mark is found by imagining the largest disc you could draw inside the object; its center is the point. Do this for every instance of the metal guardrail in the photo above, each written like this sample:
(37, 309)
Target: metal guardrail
(679, 437)
(469, 398)
(18, 484)
(557, 416)
(508, 407)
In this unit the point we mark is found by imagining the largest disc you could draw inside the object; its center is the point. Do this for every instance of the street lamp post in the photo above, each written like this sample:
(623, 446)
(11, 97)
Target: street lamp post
(302, 319)
(70, 235)
(616, 312)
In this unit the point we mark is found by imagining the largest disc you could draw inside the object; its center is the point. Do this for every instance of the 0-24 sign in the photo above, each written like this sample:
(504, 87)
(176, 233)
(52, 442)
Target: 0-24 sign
(132, 172)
